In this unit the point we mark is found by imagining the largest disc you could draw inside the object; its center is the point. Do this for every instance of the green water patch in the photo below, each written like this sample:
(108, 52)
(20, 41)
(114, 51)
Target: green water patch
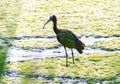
(110, 45)
(95, 66)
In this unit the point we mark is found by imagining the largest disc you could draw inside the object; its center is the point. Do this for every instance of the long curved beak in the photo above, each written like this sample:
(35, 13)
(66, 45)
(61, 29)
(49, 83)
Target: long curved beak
(46, 23)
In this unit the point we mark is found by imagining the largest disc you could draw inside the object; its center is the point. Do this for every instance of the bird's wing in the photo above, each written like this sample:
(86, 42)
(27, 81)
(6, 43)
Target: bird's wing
(70, 40)
(66, 38)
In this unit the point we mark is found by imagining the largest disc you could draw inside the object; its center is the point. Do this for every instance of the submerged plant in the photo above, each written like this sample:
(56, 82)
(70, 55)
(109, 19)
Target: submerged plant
(3, 54)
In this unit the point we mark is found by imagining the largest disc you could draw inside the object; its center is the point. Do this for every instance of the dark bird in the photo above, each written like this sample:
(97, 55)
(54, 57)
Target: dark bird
(66, 38)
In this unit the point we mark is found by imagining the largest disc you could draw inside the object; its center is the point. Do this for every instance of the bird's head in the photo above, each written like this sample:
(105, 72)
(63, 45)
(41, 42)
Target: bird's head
(52, 18)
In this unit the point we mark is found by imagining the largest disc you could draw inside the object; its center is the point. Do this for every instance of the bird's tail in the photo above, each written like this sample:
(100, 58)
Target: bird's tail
(80, 47)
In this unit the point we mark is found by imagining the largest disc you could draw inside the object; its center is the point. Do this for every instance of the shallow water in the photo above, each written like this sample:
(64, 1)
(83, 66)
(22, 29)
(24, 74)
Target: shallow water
(19, 54)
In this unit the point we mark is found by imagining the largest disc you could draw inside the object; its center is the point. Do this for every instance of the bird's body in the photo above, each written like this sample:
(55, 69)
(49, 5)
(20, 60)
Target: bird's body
(66, 38)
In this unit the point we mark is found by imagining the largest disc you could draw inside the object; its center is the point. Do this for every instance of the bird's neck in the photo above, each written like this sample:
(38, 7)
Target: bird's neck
(55, 27)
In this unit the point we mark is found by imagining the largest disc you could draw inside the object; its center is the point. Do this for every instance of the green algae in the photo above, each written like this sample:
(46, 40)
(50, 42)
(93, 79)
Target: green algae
(94, 66)
(36, 43)
(110, 45)
(96, 18)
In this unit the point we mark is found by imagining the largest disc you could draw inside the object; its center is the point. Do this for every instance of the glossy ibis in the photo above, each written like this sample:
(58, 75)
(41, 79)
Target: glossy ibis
(66, 38)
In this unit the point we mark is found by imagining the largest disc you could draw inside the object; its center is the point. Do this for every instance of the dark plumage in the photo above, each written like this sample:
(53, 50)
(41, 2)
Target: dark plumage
(66, 38)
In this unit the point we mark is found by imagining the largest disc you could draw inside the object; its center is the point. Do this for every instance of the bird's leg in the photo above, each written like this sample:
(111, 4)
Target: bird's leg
(72, 56)
(66, 56)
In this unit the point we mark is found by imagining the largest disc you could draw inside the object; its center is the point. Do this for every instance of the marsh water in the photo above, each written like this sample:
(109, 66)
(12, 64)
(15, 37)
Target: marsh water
(16, 53)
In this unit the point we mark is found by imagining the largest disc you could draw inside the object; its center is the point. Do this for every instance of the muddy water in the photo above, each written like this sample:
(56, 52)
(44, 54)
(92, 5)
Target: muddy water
(16, 53)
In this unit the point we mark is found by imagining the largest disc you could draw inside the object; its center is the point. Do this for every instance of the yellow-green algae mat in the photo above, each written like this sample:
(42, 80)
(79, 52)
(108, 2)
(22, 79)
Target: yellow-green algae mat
(110, 45)
(95, 66)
